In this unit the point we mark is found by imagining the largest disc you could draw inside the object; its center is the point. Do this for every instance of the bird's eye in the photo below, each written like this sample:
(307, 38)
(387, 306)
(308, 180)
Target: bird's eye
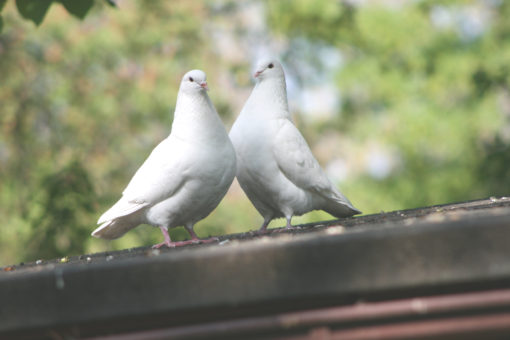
(270, 65)
(190, 79)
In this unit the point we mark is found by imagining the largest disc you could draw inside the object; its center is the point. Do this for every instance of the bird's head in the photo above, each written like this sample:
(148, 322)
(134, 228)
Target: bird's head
(268, 68)
(194, 81)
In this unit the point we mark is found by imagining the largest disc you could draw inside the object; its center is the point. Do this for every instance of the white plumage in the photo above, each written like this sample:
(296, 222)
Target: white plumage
(186, 175)
(275, 167)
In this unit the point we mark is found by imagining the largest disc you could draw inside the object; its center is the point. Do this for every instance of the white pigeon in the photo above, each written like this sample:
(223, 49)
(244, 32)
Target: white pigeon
(186, 175)
(275, 166)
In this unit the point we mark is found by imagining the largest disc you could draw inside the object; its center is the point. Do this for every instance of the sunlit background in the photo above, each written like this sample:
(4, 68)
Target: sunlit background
(404, 103)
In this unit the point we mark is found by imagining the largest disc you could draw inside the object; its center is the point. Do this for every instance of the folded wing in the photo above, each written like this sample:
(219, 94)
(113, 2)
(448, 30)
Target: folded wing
(296, 161)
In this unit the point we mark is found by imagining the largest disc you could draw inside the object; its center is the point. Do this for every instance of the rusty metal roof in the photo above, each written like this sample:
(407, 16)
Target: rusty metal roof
(439, 272)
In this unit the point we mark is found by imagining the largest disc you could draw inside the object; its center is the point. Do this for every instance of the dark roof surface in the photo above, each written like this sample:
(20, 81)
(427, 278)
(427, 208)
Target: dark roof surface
(246, 280)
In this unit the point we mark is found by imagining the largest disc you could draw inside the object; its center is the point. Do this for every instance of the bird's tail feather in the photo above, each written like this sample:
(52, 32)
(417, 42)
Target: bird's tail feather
(120, 209)
(114, 229)
(339, 206)
(341, 210)
(119, 219)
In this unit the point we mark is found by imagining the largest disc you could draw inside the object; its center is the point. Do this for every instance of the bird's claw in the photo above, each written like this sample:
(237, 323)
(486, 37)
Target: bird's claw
(168, 245)
(209, 240)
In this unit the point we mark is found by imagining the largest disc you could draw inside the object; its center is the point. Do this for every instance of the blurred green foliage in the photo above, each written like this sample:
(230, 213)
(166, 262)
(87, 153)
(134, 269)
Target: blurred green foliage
(84, 102)
(436, 97)
(35, 10)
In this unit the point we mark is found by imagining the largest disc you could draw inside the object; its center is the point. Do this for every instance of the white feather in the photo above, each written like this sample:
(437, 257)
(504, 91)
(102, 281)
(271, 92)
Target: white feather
(276, 167)
(185, 176)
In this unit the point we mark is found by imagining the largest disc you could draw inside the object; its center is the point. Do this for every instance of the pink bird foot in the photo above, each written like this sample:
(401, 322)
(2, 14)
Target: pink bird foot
(163, 244)
(194, 240)
(263, 228)
(167, 241)
(288, 227)
(209, 240)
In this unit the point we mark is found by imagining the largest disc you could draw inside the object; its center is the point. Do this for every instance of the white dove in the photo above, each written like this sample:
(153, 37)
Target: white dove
(186, 175)
(275, 166)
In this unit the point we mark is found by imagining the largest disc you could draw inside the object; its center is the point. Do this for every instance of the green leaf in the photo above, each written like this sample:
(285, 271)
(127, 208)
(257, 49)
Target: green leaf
(78, 8)
(34, 10)
(111, 3)
(2, 4)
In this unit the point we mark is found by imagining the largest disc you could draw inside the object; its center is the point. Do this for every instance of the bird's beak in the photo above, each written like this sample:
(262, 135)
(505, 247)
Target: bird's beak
(257, 74)
(204, 85)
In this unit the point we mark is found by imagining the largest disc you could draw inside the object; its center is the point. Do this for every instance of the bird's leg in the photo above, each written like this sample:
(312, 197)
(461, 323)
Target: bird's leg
(263, 227)
(170, 244)
(194, 237)
(167, 241)
(196, 240)
(289, 225)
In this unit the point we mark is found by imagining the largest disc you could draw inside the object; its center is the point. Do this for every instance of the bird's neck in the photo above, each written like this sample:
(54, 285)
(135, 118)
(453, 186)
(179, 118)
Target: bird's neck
(270, 96)
(195, 119)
